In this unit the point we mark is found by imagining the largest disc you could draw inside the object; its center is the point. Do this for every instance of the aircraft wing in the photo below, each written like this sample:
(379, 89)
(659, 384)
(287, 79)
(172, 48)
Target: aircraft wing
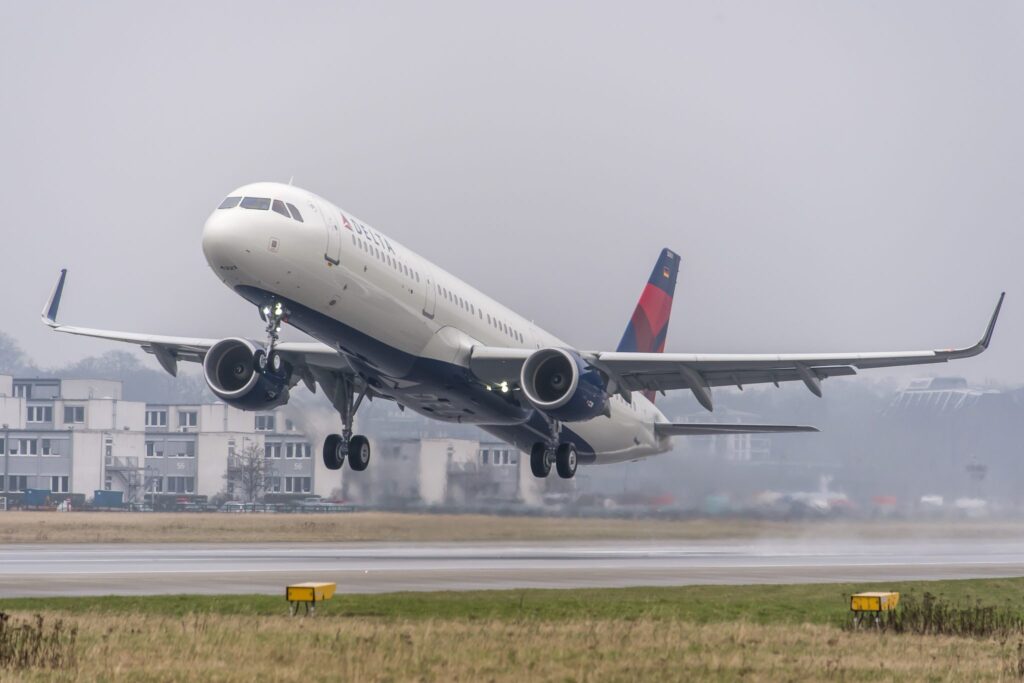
(169, 350)
(712, 428)
(699, 372)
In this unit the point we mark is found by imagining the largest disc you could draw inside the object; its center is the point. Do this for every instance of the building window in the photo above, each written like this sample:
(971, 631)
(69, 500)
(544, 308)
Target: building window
(24, 447)
(157, 485)
(484, 455)
(181, 484)
(48, 447)
(40, 413)
(188, 418)
(3, 446)
(156, 418)
(289, 426)
(272, 450)
(154, 449)
(274, 484)
(297, 484)
(17, 483)
(58, 484)
(22, 391)
(2, 483)
(264, 423)
(74, 414)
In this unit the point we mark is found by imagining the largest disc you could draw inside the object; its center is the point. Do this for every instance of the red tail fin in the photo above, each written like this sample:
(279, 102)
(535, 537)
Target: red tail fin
(648, 327)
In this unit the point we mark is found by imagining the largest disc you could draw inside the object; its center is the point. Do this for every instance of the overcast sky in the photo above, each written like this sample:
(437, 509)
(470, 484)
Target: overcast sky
(836, 176)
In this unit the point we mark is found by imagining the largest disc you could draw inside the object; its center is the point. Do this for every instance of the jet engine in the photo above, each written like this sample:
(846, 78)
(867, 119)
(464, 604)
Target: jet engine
(239, 374)
(561, 384)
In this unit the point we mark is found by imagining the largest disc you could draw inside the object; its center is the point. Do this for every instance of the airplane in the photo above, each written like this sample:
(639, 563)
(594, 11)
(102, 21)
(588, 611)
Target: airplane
(389, 324)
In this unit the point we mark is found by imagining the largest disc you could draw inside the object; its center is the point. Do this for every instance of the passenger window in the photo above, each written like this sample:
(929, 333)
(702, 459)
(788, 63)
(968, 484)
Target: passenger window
(278, 206)
(259, 203)
(230, 203)
(295, 213)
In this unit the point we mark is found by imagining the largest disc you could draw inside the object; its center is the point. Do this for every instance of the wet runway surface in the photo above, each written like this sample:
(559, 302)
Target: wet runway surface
(41, 570)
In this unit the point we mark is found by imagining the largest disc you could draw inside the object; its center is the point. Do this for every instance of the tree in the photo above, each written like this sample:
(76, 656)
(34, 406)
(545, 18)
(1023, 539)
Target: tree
(13, 360)
(248, 472)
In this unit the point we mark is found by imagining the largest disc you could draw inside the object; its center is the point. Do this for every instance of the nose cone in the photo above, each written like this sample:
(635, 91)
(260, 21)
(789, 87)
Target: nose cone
(220, 238)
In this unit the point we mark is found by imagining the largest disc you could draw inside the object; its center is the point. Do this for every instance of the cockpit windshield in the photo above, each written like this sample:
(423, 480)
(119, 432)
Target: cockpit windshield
(260, 203)
(286, 209)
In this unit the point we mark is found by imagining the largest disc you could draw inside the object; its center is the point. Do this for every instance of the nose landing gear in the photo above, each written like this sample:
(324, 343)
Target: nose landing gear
(275, 314)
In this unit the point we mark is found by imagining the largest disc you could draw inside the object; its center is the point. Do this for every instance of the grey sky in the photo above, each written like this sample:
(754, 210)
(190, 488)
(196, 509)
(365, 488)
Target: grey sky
(836, 176)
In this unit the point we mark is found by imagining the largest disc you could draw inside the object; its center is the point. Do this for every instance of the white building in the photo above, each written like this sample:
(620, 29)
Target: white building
(79, 436)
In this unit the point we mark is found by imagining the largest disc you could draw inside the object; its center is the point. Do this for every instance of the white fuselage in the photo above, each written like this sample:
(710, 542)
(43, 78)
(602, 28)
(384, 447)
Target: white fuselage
(400, 320)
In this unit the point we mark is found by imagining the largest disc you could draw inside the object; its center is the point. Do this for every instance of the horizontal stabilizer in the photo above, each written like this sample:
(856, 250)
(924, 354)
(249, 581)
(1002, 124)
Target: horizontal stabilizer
(712, 428)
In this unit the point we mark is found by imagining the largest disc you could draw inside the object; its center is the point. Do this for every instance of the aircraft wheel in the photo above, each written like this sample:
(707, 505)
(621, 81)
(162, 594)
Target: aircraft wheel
(565, 460)
(358, 452)
(540, 460)
(259, 360)
(274, 362)
(334, 455)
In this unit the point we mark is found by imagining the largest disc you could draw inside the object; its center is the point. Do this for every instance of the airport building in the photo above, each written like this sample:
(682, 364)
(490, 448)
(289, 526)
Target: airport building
(72, 436)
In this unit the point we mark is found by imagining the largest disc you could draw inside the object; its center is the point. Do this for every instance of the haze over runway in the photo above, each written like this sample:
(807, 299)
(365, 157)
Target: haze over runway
(144, 569)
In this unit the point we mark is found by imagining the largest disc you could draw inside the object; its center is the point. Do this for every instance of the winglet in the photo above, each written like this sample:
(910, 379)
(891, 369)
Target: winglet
(50, 312)
(992, 323)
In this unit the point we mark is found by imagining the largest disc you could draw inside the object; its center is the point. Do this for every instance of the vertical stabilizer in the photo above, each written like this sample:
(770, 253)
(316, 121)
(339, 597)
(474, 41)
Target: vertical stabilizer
(648, 327)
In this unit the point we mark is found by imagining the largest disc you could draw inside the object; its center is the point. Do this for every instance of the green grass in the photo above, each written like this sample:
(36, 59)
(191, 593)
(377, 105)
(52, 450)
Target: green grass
(806, 603)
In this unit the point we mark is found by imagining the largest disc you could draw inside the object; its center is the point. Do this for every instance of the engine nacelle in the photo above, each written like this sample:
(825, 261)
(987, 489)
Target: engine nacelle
(233, 374)
(563, 385)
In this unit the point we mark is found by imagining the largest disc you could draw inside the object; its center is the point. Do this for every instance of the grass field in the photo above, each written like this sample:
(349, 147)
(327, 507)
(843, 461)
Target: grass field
(686, 633)
(99, 527)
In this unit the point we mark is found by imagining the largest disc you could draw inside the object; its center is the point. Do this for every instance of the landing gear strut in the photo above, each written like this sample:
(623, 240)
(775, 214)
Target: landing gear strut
(274, 314)
(562, 454)
(355, 447)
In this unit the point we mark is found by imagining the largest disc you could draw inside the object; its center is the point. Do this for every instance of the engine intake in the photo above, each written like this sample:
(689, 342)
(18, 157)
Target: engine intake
(561, 384)
(233, 374)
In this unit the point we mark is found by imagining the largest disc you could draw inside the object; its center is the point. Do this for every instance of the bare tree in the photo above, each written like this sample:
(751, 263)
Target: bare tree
(248, 473)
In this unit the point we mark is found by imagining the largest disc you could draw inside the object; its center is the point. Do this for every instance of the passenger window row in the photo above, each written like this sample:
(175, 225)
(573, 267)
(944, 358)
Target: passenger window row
(286, 209)
(386, 258)
(499, 325)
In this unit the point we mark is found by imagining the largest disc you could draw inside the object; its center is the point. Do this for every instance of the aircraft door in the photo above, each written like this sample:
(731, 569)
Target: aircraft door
(333, 251)
(431, 297)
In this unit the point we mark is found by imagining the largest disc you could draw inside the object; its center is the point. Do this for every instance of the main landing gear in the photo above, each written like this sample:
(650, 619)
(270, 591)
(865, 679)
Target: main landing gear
(355, 447)
(563, 455)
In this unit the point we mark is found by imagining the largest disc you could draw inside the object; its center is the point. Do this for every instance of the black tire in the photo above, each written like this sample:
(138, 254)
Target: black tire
(565, 460)
(334, 458)
(540, 463)
(275, 363)
(259, 360)
(358, 452)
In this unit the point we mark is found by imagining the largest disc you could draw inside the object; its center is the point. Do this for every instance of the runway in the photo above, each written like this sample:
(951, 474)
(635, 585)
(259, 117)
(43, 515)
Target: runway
(47, 570)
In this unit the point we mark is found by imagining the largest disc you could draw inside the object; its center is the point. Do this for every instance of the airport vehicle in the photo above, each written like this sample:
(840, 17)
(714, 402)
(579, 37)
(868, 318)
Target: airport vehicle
(390, 324)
